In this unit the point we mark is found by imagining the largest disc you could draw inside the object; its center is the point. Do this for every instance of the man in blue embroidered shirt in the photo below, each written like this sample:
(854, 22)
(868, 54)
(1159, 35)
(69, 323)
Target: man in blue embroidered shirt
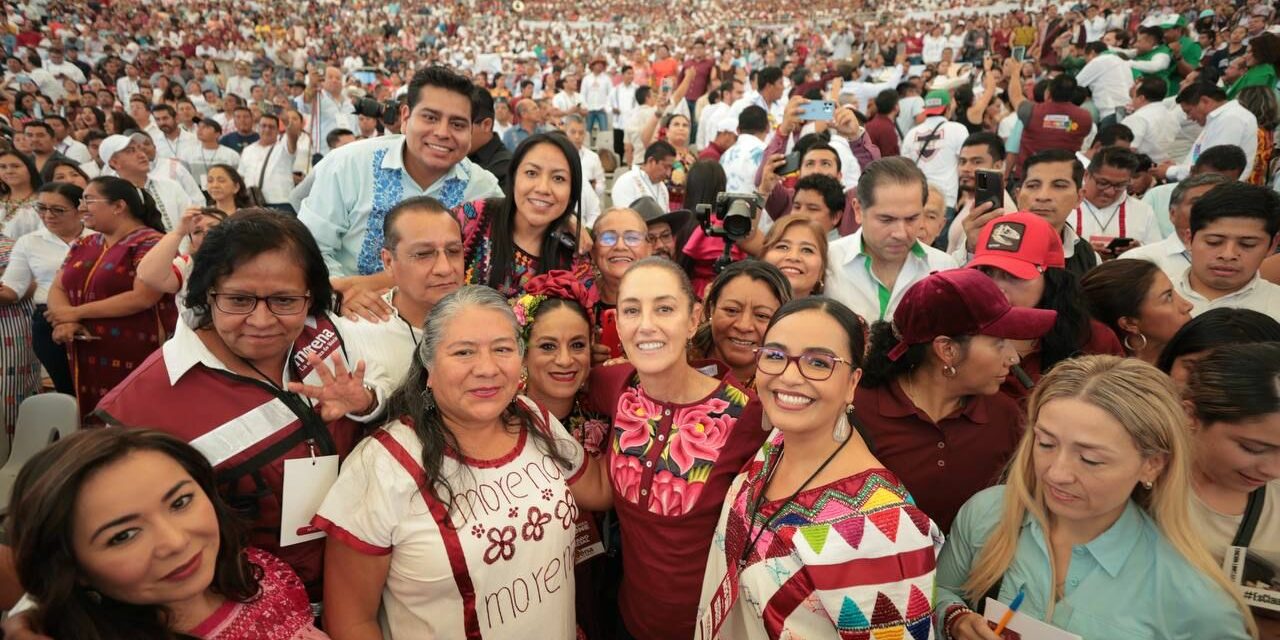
(358, 184)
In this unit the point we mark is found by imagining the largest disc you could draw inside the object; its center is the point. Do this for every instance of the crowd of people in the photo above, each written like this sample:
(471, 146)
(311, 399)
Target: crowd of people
(618, 320)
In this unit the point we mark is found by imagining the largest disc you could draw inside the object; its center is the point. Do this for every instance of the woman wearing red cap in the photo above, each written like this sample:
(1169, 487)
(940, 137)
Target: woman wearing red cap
(929, 398)
(1024, 256)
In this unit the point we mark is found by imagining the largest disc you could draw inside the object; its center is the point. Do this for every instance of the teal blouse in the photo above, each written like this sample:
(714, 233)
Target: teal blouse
(1126, 583)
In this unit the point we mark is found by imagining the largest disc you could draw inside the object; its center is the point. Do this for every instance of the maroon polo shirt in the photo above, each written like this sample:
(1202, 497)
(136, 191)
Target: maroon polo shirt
(941, 464)
(884, 134)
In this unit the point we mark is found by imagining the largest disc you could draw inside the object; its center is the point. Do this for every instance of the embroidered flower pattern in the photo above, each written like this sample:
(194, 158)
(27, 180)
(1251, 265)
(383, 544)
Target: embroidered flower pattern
(546, 494)
(513, 512)
(567, 510)
(477, 530)
(502, 544)
(537, 520)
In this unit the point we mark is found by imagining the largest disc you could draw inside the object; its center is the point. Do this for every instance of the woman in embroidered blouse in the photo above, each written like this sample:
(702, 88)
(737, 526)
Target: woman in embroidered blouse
(109, 321)
(120, 533)
(447, 516)
(815, 501)
(19, 181)
(509, 240)
(737, 309)
(681, 431)
(1233, 401)
(1092, 525)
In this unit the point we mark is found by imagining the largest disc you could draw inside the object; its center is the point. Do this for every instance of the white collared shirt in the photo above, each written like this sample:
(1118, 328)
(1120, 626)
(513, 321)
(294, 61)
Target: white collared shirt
(1258, 295)
(1228, 124)
(850, 280)
(635, 184)
(36, 257)
(392, 344)
(1169, 254)
(1109, 78)
(1139, 220)
(338, 207)
(74, 149)
(166, 148)
(170, 198)
(199, 159)
(277, 181)
(596, 90)
(1154, 129)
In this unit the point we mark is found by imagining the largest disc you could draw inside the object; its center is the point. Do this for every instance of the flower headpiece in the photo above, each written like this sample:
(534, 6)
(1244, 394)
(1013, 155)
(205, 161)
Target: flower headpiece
(552, 284)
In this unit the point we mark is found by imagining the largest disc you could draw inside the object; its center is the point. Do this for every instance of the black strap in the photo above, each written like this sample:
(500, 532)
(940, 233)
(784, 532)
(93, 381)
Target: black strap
(928, 140)
(313, 428)
(262, 174)
(1252, 512)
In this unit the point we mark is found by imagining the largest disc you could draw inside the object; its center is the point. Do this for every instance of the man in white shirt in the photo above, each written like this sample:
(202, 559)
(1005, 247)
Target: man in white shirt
(742, 160)
(1233, 229)
(1107, 77)
(770, 96)
(597, 90)
(623, 103)
(647, 179)
(126, 157)
(593, 175)
(934, 145)
(59, 67)
(1107, 212)
(268, 164)
(326, 105)
(568, 100)
(1094, 24)
(172, 141)
(870, 270)
(422, 253)
(240, 83)
(207, 152)
(1153, 125)
(63, 142)
(717, 109)
(357, 185)
(1171, 254)
(1224, 122)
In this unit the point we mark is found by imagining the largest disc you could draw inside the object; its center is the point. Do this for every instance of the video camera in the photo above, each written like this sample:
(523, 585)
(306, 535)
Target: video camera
(736, 214)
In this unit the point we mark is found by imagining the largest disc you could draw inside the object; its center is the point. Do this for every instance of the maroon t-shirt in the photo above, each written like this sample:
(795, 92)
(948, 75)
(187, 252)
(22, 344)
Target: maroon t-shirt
(883, 132)
(701, 77)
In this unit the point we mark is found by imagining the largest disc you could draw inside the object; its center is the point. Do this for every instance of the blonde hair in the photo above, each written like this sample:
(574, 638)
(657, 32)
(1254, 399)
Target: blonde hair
(1145, 402)
(780, 228)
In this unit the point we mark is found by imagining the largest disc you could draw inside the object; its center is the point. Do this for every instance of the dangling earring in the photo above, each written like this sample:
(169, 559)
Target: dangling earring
(1131, 348)
(948, 371)
(428, 399)
(843, 430)
(765, 423)
(524, 378)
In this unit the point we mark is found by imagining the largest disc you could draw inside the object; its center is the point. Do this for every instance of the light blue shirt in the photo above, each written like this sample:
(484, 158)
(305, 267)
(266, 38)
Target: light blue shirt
(1126, 583)
(358, 184)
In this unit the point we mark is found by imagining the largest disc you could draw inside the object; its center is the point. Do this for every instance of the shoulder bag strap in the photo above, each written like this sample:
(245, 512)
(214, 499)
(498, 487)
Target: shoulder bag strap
(928, 140)
(1252, 512)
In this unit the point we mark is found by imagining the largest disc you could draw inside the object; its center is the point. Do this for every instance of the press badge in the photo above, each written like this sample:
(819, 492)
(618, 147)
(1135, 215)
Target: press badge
(306, 482)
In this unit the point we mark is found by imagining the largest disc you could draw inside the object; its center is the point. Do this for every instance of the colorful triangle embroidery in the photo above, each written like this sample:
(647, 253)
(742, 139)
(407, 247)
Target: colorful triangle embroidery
(861, 634)
(851, 616)
(881, 497)
(886, 522)
(920, 519)
(885, 612)
(851, 530)
(917, 604)
(919, 629)
(895, 632)
(816, 535)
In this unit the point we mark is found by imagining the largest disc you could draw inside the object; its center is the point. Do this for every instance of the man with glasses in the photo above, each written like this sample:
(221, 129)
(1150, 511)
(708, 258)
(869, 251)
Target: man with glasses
(663, 228)
(125, 156)
(1107, 212)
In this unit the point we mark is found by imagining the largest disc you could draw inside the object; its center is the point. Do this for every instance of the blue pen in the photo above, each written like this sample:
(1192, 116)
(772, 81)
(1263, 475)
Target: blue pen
(1008, 615)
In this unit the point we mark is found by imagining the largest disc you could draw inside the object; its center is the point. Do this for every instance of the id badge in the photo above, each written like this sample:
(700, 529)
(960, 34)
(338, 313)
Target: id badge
(306, 482)
(586, 538)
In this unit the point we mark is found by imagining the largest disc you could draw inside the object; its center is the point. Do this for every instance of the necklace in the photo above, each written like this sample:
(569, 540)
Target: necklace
(754, 510)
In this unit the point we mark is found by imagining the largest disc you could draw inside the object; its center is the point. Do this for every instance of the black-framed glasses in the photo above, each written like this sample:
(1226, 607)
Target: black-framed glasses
(813, 365)
(664, 236)
(242, 304)
(44, 209)
(632, 239)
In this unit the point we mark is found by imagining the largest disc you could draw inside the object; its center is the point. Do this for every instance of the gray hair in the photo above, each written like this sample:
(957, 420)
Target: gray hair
(472, 295)
(1180, 192)
(571, 118)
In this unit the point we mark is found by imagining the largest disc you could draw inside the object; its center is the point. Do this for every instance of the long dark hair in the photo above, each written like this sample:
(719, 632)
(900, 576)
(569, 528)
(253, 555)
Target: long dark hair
(42, 517)
(410, 402)
(854, 328)
(244, 236)
(758, 270)
(878, 370)
(1215, 328)
(242, 195)
(1236, 383)
(1072, 330)
(557, 249)
(139, 203)
(71, 192)
(33, 176)
(1117, 289)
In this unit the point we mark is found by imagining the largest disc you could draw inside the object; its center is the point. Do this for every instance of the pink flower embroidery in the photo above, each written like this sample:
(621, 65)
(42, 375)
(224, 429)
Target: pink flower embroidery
(627, 472)
(634, 420)
(533, 529)
(591, 434)
(698, 434)
(672, 495)
(502, 544)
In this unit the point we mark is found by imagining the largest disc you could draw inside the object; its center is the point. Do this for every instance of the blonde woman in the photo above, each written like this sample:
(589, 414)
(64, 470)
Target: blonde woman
(1092, 525)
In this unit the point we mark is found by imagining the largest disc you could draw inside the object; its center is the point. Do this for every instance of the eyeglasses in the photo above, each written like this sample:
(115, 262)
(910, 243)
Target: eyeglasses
(85, 201)
(241, 304)
(44, 209)
(665, 236)
(813, 365)
(632, 239)
(1107, 185)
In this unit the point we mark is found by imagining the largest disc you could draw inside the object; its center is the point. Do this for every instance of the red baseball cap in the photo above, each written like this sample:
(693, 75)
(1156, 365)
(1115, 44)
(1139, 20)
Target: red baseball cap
(963, 302)
(1022, 244)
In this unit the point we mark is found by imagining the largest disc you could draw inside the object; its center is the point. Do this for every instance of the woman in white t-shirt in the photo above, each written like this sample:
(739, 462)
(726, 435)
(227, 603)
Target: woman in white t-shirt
(456, 519)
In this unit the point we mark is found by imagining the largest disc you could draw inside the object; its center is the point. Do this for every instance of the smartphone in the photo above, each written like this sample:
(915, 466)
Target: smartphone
(792, 164)
(609, 333)
(818, 110)
(990, 188)
(1019, 53)
(1118, 244)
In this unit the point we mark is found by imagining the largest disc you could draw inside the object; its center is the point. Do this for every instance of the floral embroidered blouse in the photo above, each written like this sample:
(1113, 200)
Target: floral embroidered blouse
(280, 612)
(671, 466)
(477, 245)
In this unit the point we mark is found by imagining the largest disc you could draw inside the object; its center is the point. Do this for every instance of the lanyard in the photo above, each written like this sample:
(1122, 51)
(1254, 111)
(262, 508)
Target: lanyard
(1102, 228)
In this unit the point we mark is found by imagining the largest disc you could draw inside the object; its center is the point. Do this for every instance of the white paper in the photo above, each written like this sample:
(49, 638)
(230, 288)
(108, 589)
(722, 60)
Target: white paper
(1025, 626)
(306, 482)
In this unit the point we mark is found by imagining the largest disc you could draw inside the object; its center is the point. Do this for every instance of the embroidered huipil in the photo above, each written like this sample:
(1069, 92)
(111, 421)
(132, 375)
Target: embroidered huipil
(280, 611)
(840, 561)
(476, 218)
(670, 466)
(358, 184)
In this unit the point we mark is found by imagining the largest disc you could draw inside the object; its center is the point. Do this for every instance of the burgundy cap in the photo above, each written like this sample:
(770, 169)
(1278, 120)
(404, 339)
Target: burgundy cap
(1021, 244)
(962, 302)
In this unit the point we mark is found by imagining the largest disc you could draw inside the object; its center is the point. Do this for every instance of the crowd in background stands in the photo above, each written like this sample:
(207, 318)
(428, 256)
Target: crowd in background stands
(631, 320)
